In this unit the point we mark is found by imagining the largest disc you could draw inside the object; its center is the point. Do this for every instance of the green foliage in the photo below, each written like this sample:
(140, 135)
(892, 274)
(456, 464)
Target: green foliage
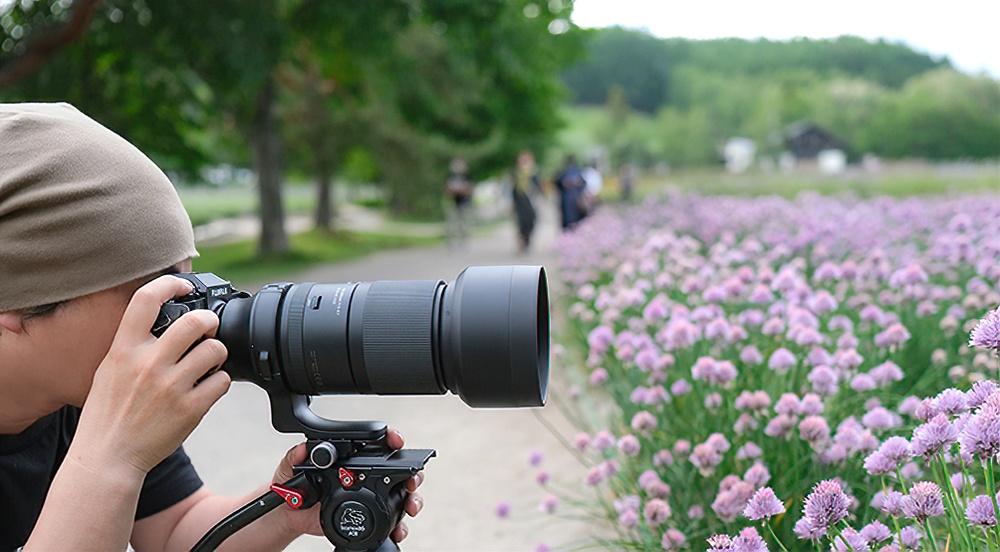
(940, 115)
(410, 83)
(877, 97)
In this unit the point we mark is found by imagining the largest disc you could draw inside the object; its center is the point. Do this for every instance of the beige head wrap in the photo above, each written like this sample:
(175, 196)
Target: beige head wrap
(81, 209)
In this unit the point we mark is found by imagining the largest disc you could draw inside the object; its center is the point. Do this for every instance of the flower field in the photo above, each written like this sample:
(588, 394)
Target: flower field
(786, 374)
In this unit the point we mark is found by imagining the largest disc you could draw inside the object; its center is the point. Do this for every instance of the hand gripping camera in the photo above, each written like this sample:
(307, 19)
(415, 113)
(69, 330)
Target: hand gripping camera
(483, 336)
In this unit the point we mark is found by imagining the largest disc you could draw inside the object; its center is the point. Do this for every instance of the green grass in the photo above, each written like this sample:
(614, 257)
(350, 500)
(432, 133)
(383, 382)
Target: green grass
(716, 182)
(207, 204)
(241, 264)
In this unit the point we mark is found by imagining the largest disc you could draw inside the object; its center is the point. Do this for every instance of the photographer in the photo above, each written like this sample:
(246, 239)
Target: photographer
(93, 408)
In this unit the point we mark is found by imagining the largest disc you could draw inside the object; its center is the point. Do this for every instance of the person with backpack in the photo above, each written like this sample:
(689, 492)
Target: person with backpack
(572, 193)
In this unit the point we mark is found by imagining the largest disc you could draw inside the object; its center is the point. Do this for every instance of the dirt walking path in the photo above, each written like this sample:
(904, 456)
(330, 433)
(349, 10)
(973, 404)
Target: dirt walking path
(482, 454)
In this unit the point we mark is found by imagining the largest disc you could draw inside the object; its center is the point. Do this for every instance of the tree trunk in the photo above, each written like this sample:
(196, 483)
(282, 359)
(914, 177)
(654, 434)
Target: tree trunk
(325, 211)
(267, 161)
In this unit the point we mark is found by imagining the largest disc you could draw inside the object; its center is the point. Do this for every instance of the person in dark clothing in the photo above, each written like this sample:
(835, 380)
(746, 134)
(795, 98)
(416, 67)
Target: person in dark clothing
(93, 407)
(572, 189)
(459, 189)
(525, 185)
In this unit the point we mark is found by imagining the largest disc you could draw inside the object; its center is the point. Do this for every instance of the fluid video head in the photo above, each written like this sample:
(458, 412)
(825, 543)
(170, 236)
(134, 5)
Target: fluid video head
(484, 337)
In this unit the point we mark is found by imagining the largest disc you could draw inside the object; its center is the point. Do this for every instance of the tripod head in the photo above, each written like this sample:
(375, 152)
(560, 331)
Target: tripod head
(359, 481)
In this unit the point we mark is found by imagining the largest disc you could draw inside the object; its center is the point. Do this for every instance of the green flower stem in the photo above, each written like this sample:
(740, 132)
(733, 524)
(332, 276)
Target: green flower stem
(775, 537)
(895, 522)
(953, 512)
(930, 534)
(902, 482)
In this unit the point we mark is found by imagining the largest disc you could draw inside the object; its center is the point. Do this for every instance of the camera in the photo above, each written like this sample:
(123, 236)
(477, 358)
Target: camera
(483, 336)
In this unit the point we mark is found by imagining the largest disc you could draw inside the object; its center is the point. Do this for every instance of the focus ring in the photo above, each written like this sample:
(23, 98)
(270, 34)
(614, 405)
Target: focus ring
(398, 334)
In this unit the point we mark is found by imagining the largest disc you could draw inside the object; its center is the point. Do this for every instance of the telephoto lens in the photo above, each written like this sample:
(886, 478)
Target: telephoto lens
(483, 336)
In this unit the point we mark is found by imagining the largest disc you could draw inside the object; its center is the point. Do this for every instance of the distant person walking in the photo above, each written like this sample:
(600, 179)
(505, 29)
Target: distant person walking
(626, 181)
(458, 188)
(594, 183)
(572, 189)
(524, 185)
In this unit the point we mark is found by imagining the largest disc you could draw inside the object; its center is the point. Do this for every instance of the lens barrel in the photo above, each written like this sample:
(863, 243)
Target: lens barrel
(484, 337)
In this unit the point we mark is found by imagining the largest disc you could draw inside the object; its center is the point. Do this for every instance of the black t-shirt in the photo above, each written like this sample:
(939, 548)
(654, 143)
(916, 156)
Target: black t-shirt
(29, 461)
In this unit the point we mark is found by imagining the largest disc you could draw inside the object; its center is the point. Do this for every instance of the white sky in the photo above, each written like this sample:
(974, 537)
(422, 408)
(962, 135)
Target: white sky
(967, 31)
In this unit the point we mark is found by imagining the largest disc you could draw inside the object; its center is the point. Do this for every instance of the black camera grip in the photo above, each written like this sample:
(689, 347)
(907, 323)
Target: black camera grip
(169, 313)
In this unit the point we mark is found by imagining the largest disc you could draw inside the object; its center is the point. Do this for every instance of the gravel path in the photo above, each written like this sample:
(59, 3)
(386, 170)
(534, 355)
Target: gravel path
(482, 454)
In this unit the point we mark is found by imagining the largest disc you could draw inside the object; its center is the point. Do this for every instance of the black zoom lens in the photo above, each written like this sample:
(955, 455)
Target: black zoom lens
(484, 337)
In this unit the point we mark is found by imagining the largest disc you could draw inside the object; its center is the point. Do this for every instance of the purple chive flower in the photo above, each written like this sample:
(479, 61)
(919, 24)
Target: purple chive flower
(951, 402)
(673, 540)
(863, 382)
(850, 539)
(886, 373)
(910, 538)
(535, 458)
(909, 406)
(603, 440)
(980, 391)
(749, 540)
(881, 418)
(981, 512)
(696, 512)
(896, 334)
(656, 512)
(763, 504)
(744, 423)
(877, 464)
(758, 475)
(549, 504)
(986, 334)
(644, 422)
(980, 435)
(824, 380)
(958, 481)
(542, 547)
(503, 509)
(705, 457)
(935, 436)
(720, 543)
(749, 451)
(663, 458)
(718, 441)
(595, 476)
(542, 477)
(581, 441)
(788, 404)
(628, 519)
(807, 529)
(780, 426)
(814, 430)
(629, 444)
(729, 503)
(895, 449)
(827, 504)
(751, 355)
(680, 387)
(598, 376)
(875, 532)
(781, 360)
(811, 404)
(925, 500)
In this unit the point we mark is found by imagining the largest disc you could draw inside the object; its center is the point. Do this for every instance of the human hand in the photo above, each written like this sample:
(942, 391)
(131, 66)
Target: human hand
(146, 397)
(301, 522)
